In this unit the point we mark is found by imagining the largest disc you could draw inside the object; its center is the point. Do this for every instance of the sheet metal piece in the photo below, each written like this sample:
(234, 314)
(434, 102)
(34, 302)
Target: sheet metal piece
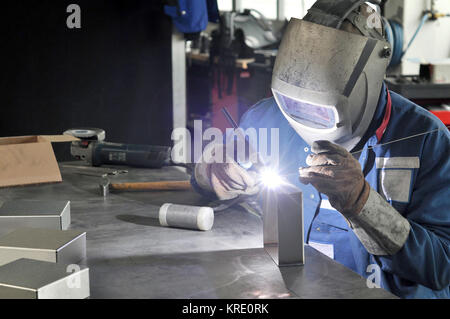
(283, 228)
(33, 279)
(52, 214)
(58, 246)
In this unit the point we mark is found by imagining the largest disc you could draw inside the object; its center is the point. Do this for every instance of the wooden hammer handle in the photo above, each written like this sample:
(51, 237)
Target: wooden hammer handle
(153, 186)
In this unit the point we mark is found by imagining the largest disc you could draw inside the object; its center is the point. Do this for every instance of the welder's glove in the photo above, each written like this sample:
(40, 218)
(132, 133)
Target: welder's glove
(227, 179)
(334, 172)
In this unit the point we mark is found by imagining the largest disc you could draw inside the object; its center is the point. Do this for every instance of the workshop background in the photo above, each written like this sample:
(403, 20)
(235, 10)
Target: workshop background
(113, 73)
(128, 71)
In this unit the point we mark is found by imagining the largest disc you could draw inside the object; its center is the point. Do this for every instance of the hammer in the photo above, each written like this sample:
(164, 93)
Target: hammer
(106, 186)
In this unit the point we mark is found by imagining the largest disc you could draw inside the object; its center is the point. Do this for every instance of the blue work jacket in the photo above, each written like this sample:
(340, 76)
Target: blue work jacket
(413, 175)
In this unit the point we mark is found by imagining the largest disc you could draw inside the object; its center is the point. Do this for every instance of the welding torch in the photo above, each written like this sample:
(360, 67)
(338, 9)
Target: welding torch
(258, 165)
(246, 201)
(267, 176)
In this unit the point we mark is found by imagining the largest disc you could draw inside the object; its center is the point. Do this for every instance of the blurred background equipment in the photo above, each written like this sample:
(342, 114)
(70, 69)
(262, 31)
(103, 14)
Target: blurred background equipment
(419, 32)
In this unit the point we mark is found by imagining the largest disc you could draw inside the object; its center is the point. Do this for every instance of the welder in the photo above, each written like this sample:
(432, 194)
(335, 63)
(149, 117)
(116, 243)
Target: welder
(372, 203)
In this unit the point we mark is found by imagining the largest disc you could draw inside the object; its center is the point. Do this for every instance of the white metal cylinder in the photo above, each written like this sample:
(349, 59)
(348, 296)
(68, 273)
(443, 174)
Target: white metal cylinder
(183, 216)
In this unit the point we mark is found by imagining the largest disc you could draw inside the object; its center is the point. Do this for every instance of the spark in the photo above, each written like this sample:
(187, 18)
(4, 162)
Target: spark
(270, 178)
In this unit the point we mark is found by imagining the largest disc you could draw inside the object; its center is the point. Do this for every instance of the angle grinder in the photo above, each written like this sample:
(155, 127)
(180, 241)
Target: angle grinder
(93, 149)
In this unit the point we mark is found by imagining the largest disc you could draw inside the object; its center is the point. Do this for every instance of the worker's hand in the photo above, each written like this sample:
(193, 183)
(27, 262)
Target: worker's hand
(334, 172)
(227, 180)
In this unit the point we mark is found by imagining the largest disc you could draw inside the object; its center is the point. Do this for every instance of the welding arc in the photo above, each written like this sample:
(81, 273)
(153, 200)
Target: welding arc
(400, 139)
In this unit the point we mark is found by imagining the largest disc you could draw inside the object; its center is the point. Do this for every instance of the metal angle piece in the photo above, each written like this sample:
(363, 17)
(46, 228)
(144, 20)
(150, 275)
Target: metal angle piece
(58, 246)
(283, 228)
(33, 279)
(37, 214)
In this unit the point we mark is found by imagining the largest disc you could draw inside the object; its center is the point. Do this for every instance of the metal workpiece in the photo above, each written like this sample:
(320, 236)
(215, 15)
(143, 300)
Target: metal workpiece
(33, 279)
(283, 227)
(130, 255)
(184, 216)
(58, 246)
(104, 186)
(52, 214)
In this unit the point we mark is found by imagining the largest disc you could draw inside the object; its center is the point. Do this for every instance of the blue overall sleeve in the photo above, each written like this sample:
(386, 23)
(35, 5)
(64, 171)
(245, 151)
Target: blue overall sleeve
(425, 256)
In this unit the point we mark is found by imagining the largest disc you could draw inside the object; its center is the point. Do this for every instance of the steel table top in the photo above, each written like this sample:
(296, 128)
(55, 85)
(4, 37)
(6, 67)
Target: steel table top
(131, 256)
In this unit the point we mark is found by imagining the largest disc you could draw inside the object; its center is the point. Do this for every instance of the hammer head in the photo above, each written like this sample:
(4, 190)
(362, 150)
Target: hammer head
(104, 185)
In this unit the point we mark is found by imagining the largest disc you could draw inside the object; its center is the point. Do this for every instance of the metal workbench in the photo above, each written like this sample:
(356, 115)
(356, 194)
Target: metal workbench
(131, 256)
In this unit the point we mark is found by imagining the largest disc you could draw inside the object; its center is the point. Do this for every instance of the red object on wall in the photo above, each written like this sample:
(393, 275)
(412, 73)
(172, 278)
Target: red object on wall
(444, 116)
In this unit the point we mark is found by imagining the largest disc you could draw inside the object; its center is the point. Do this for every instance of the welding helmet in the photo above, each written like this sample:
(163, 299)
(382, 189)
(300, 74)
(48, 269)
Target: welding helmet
(327, 80)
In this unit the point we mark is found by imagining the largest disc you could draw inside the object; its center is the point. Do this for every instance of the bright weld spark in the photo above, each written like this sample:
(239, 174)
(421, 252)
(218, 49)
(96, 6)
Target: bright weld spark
(270, 178)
